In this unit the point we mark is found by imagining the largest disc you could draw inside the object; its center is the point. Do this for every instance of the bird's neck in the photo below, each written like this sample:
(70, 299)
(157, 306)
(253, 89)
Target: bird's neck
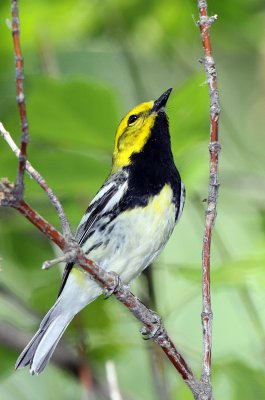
(154, 166)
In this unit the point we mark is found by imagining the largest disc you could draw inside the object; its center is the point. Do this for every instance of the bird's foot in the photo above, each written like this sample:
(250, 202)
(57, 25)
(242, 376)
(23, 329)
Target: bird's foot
(114, 286)
(155, 329)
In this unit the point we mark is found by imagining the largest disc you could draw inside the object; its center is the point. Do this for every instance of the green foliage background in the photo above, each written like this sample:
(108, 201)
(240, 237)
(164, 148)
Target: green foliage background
(86, 64)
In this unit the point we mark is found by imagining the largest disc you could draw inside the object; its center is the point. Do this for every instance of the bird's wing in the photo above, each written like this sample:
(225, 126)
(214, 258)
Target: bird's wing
(96, 209)
(105, 200)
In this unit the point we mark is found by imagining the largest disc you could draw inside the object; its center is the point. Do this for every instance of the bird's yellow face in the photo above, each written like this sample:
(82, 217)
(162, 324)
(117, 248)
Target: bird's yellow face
(132, 134)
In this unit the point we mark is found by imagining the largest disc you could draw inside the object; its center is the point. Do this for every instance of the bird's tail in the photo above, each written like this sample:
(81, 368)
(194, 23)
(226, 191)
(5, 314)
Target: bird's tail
(39, 350)
(73, 298)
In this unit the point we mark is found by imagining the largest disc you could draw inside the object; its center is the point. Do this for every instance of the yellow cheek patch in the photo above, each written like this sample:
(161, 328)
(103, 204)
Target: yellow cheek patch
(131, 139)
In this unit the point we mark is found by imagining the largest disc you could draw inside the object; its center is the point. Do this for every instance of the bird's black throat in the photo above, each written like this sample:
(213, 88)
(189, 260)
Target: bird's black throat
(153, 167)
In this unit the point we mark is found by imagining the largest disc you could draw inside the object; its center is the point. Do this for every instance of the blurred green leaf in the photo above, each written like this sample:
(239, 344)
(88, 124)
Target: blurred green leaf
(8, 358)
(78, 114)
(189, 120)
(51, 385)
(245, 382)
(235, 273)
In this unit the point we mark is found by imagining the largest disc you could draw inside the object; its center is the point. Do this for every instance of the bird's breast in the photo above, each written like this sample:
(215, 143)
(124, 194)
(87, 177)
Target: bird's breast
(136, 236)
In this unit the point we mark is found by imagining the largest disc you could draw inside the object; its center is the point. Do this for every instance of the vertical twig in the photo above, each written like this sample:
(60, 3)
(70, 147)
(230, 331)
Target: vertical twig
(210, 215)
(114, 390)
(242, 291)
(21, 101)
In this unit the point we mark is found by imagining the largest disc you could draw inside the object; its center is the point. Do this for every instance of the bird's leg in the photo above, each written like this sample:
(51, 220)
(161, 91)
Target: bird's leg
(156, 329)
(114, 286)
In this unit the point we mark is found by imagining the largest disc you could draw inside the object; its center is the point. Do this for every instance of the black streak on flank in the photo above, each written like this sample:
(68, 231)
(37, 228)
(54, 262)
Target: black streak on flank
(93, 211)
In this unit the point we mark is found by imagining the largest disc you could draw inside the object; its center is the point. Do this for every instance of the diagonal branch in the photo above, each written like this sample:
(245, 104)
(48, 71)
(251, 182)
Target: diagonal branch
(21, 101)
(41, 182)
(210, 214)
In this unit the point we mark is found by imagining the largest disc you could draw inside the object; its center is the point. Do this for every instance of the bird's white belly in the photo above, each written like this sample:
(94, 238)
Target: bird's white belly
(135, 237)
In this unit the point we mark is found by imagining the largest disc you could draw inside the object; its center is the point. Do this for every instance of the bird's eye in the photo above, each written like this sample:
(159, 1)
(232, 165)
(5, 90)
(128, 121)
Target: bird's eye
(132, 118)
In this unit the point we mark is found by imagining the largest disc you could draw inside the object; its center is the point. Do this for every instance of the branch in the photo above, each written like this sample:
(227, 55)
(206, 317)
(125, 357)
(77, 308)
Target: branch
(210, 214)
(153, 327)
(21, 101)
(41, 182)
(22, 153)
(114, 390)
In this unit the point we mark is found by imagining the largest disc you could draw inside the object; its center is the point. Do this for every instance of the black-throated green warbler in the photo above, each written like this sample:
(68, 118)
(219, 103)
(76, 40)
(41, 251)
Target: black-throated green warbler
(126, 225)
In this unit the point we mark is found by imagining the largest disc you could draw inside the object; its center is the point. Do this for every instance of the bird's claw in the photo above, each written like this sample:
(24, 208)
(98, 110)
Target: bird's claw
(114, 286)
(155, 330)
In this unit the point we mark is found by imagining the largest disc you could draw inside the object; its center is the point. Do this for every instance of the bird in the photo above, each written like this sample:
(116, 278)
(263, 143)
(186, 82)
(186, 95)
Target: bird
(126, 225)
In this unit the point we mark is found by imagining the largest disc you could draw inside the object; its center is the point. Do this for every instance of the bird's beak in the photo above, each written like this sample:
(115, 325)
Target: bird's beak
(161, 101)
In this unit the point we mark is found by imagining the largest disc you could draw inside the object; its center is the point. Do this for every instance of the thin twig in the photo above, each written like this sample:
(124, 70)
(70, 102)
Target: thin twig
(40, 223)
(210, 215)
(41, 182)
(21, 100)
(67, 257)
(243, 291)
(114, 390)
